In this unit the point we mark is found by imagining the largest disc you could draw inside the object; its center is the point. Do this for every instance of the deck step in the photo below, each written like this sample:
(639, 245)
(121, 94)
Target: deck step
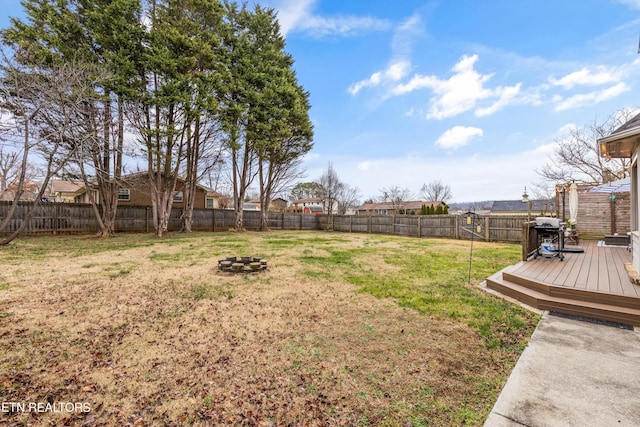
(573, 293)
(535, 296)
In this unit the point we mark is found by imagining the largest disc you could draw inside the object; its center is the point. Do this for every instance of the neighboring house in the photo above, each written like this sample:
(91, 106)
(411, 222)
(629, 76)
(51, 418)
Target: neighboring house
(518, 207)
(277, 205)
(351, 210)
(313, 210)
(70, 192)
(479, 208)
(390, 208)
(624, 143)
(300, 204)
(9, 195)
(136, 191)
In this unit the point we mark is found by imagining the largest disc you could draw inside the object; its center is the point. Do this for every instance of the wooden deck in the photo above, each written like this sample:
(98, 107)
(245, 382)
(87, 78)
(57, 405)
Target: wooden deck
(592, 284)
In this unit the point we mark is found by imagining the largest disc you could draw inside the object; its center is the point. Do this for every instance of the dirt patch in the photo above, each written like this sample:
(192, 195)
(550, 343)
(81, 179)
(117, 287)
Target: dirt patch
(153, 336)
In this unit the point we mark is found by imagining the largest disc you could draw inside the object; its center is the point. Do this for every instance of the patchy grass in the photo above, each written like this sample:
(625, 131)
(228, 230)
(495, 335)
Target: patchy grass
(343, 329)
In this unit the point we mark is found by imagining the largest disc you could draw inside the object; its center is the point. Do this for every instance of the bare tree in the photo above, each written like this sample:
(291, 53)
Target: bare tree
(44, 105)
(9, 168)
(576, 157)
(203, 154)
(331, 189)
(436, 191)
(347, 197)
(396, 195)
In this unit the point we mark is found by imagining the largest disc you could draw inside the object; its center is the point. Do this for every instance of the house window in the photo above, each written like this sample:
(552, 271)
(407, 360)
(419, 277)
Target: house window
(209, 203)
(124, 194)
(177, 196)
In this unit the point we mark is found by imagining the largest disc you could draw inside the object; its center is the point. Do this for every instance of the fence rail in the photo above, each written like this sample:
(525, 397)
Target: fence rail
(59, 218)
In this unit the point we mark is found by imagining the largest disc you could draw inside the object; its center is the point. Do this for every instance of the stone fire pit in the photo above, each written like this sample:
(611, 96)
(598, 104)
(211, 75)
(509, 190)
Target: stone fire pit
(242, 264)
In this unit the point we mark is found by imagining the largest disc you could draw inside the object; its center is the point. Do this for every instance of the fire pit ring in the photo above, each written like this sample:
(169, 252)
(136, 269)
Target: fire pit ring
(242, 264)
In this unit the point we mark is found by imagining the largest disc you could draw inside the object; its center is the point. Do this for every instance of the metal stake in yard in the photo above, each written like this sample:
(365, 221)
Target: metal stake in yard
(472, 220)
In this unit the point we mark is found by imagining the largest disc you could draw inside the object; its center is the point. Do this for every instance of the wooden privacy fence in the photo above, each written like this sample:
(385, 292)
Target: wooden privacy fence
(58, 218)
(492, 228)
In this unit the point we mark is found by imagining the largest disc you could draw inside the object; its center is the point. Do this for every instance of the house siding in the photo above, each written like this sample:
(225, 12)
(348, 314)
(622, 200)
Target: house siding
(140, 193)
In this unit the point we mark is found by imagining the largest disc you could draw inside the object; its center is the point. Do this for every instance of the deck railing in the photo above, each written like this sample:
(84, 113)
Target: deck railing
(529, 239)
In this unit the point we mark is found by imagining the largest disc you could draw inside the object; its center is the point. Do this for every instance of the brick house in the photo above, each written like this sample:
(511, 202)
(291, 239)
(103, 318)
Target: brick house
(390, 208)
(137, 192)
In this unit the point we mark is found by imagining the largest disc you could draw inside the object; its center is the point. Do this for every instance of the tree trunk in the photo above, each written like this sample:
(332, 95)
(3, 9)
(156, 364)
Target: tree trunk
(264, 198)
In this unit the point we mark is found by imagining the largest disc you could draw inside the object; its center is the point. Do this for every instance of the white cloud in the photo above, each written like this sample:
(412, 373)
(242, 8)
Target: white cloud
(320, 26)
(567, 129)
(394, 72)
(453, 96)
(591, 98)
(602, 75)
(399, 66)
(634, 4)
(290, 13)
(367, 165)
(506, 95)
(298, 16)
(405, 36)
(545, 149)
(458, 136)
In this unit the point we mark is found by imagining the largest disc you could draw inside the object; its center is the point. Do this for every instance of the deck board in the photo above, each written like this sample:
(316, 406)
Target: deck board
(599, 269)
(571, 270)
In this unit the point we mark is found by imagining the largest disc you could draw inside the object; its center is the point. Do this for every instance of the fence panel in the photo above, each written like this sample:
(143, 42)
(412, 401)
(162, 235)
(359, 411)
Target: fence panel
(406, 225)
(133, 218)
(341, 223)
(381, 224)
(360, 223)
(292, 221)
(506, 229)
(311, 222)
(439, 226)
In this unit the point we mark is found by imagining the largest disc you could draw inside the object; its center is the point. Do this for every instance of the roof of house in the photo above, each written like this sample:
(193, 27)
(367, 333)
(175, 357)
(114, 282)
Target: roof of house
(210, 191)
(622, 141)
(519, 205)
(634, 122)
(62, 186)
(309, 200)
(620, 186)
(415, 204)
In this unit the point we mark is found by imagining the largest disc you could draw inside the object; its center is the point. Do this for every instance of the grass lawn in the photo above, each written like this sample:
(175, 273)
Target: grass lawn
(342, 329)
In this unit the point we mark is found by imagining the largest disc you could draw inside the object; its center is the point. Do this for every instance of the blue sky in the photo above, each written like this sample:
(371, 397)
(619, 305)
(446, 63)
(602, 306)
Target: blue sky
(472, 93)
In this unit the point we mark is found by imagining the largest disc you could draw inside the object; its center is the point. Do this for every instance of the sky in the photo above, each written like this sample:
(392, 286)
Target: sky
(472, 93)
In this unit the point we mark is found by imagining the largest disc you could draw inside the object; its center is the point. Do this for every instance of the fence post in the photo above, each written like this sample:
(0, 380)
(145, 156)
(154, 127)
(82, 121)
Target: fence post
(419, 230)
(213, 219)
(486, 229)
(55, 219)
(524, 241)
(282, 219)
(146, 219)
(369, 224)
